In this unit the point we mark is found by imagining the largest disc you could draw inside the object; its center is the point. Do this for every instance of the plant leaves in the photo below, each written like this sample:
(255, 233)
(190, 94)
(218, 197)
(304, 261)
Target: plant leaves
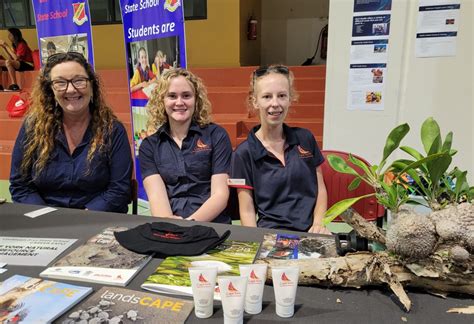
(340, 207)
(448, 141)
(354, 184)
(340, 165)
(411, 151)
(429, 132)
(438, 167)
(361, 164)
(394, 139)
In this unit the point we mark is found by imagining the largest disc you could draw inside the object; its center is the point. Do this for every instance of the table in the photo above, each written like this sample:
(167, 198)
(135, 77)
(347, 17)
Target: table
(313, 305)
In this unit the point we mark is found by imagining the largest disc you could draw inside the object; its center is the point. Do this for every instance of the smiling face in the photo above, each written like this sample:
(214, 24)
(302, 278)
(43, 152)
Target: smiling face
(143, 58)
(180, 101)
(272, 98)
(72, 101)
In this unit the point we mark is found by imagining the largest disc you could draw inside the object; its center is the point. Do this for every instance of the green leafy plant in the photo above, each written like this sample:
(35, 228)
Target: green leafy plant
(395, 193)
(431, 179)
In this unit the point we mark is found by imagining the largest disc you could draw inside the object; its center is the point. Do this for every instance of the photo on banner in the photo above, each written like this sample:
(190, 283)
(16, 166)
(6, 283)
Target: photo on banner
(63, 26)
(154, 43)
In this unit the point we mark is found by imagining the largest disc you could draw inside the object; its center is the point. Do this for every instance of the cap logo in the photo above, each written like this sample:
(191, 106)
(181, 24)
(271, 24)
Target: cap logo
(201, 146)
(303, 153)
(169, 235)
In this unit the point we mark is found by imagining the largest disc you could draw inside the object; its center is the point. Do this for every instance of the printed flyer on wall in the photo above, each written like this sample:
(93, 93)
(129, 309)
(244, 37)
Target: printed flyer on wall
(369, 54)
(437, 28)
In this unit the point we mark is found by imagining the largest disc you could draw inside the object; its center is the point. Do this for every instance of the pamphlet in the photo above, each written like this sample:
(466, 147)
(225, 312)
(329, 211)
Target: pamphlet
(32, 251)
(172, 276)
(101, 260)
(121, 305)
(33, 300)
(292, 246)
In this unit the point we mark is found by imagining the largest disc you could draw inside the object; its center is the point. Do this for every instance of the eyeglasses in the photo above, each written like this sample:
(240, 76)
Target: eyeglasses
(62, 84)
(261, 71)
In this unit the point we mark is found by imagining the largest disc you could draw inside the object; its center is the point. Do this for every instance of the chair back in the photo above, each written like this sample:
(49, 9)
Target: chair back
(337, 183)
(36, 60)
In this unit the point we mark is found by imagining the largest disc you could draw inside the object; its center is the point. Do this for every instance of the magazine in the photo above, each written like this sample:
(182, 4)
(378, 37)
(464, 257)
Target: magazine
(292, 246)
(33, 300)
(32, 251)
(119, 305)
(172, 276)
(101, 260)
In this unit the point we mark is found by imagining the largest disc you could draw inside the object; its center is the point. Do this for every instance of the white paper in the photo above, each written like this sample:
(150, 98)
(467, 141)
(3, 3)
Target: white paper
(31, 251)
(437, 27)
(2, 264)
(3, 271)
(39, 212)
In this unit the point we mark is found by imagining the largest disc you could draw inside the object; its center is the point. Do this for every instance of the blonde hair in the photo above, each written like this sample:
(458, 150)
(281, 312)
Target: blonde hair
(264, 71)
(44, 118)
(156, 106)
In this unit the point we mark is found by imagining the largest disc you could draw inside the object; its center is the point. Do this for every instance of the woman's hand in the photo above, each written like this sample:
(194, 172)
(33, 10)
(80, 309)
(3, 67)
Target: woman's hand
(2, 43)
(319, 229)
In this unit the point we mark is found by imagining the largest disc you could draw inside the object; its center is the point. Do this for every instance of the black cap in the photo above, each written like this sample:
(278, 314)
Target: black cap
(167, 239)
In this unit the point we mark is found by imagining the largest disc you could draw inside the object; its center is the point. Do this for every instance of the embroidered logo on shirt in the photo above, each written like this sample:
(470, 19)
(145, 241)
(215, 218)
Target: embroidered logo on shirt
(201, 146)
(304, 153)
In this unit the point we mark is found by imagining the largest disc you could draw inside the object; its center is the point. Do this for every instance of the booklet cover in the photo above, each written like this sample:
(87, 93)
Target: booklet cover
(101, 260)
(292, 246)
(32, 251)
(33, 300)
(172, 276)
(119, 305)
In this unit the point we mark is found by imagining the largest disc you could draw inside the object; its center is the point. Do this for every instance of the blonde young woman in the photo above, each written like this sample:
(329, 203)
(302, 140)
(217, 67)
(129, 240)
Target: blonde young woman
(185, 163)
(278, 167)
(71, 151)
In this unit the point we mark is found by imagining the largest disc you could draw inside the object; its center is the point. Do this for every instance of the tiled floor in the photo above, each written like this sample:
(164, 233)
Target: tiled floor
(143, 210)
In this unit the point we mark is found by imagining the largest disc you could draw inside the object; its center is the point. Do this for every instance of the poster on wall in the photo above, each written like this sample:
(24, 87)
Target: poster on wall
(63, 26)
(369, 52)
(437, 28)
(154, 42)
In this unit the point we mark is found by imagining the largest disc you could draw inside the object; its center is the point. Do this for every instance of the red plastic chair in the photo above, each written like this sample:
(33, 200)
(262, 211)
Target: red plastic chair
(337, 183)
(36, 59)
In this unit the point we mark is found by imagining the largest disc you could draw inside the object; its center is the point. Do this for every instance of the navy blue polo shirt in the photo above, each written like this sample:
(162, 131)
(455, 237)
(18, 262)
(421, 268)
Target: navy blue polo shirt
(284, 196)
(70, 181)
(187, 172)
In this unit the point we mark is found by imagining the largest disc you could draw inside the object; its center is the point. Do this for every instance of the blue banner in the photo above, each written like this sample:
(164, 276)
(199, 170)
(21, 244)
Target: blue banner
(63, 26)
(154, 42)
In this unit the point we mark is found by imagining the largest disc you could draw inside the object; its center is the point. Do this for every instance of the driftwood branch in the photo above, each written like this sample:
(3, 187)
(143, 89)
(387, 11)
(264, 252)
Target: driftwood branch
(364, 269)
(364, 228)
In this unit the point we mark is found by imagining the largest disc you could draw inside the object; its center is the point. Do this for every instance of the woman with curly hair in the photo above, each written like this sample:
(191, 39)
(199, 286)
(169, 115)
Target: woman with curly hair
(20, 57)
(185, 163)
(71, 150)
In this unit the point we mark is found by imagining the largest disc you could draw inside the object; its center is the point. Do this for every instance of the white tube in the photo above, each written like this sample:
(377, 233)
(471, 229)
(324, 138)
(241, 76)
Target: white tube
(285, 282)
(203, 282)
(232, 290)
(256, 275)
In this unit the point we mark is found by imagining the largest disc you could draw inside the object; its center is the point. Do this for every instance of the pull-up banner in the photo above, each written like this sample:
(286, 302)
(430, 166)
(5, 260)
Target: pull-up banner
(154, 42)
(63, 26)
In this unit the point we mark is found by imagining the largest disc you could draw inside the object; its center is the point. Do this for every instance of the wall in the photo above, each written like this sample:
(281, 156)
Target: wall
(416, 88)
(290, 30)
(250, 49)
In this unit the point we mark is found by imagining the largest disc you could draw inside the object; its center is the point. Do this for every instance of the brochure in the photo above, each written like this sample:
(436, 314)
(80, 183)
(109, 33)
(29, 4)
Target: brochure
(119, 305)
(33, 300)
(101, 260)
(292, 246)
(32, 251)
(172, 276)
